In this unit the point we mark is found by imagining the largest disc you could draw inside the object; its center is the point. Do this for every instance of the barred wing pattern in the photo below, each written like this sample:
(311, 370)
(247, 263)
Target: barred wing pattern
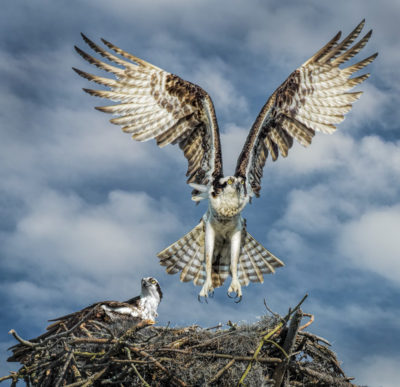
(313, 98)
(156, 104)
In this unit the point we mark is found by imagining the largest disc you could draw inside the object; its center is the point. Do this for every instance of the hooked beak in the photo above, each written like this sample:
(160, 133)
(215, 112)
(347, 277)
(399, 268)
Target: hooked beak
(238, 188)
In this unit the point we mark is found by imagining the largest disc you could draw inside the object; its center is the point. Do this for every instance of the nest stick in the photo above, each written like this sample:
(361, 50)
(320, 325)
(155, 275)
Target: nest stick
(158, 364)
(308, 323)
(222, 371)
(128, 353)
(288, 346)
(64, 370)
(21, 340)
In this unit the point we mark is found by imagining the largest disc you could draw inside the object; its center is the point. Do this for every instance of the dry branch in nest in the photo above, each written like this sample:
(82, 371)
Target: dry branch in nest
(274, 351)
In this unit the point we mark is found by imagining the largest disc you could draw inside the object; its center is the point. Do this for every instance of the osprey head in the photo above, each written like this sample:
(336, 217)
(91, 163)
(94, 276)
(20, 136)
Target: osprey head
(231, 184)
(151, 287)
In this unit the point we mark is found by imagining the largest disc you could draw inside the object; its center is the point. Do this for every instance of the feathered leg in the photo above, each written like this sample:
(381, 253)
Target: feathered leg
(236, 242)
(209, 243)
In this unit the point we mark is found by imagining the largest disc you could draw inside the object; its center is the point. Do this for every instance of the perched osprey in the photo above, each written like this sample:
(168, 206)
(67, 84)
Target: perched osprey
(153, 103)
(142, 307)
(117, 316)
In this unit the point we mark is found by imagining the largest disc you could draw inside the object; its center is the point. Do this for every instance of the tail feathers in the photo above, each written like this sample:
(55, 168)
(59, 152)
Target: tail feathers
(221, 266)
(256, 260)
(187, 255)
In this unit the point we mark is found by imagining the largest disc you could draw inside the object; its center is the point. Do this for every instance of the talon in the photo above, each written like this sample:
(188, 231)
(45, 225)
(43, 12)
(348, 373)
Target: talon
(229, 295)
(236, 290)
(200, 297)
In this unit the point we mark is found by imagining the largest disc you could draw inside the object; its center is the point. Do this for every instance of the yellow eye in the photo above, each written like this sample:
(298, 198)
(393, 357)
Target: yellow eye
(153, 281)
(242, 182)
(230, 181)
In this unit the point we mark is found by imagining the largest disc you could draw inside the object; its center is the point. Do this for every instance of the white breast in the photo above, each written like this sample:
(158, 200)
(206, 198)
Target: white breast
(149, 307)
(228, 203)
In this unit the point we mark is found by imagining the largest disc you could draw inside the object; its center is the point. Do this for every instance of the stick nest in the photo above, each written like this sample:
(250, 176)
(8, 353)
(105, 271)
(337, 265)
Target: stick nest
(274, 351)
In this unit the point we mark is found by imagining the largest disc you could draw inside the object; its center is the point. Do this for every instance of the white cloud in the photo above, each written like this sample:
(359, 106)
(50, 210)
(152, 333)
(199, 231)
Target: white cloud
(378, 371)
(62, 231)
(313, 211)
(232, 140)
(341, 200)
(213, 76)
(372, 104)
(372, 241)
(349, 169)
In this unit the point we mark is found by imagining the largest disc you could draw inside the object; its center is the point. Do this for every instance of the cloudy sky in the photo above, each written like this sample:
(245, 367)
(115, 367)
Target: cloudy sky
(84, 209)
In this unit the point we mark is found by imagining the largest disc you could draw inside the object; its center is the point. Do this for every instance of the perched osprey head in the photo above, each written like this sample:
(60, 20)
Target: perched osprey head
(151, 287)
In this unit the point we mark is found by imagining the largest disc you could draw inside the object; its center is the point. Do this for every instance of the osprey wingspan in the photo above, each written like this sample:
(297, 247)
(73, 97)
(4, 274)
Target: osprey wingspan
(153, 103)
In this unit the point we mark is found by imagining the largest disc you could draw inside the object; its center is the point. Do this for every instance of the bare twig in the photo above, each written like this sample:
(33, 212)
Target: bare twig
(315, 337)
(79, 340)
(288, 347)
(308, 323)
(89, 381)
(221, 355)
(158, 364)
(268, 336)
(63, 370)
(75, 369)
(219, 325)
(207, 342)
(128, 352)
(21, 340)
(65, 333)
(103, 326)
(222, 371)
(276, 315)
(330, 380)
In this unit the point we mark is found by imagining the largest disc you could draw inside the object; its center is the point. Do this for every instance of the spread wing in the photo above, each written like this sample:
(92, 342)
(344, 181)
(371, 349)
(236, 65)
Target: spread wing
(314, 97)
(152, 103)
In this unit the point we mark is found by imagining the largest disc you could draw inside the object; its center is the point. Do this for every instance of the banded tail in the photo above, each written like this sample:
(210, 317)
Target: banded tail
(187, 255)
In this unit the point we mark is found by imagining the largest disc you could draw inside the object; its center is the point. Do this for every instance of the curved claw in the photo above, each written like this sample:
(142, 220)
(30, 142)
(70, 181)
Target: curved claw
(235, 297)
(199, 299)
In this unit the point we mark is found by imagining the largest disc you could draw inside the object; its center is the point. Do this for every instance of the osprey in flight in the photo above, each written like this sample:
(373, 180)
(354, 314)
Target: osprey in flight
(153, 103)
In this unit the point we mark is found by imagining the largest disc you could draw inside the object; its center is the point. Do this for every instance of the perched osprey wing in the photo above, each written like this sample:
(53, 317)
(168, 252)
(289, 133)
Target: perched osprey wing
(115, 316)
(160, 105)
(314, 97)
